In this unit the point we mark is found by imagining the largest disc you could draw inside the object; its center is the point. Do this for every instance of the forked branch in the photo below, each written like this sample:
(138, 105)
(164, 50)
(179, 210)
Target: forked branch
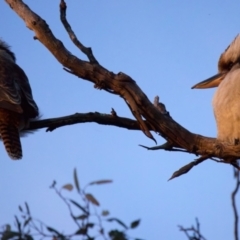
(149, 116)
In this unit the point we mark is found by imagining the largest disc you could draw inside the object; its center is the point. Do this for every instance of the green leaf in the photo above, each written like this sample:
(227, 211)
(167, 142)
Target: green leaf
(68, 187)
(79, 206)
(183, 170)
(29, 237)
(100, 182)
(28, 210)
(50, 229)
(135, 223)
(8, 228)
(118, 221)
(90, 225)
(10, 235)
(81, 231)
(27, 221)
(81, 217)
(92, 199)
(20, 208)
(53, 184)
(105, 213)
(117, 235)
(76, 182)
(18, 225)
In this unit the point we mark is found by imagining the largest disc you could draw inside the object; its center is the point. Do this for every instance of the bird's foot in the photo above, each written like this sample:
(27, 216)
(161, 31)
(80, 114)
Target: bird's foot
(220, 147)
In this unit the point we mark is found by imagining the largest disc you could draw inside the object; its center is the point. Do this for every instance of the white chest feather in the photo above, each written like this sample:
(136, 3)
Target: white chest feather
(226, 105)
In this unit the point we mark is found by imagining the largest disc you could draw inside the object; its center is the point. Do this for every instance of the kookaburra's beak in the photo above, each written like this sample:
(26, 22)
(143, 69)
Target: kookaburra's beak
(211, 82)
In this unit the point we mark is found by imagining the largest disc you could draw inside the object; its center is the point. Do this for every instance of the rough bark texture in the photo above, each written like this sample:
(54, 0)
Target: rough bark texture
(121, 84)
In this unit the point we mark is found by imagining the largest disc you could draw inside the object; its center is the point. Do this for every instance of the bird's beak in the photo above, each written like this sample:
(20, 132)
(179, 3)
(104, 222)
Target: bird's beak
(211, 82)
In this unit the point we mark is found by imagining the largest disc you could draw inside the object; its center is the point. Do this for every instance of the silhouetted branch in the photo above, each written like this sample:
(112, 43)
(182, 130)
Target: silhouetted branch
(91, 222)
(234, 205)
(85, 50)
(193, 233)
(149, 116)
(166, 146)
(100, 118)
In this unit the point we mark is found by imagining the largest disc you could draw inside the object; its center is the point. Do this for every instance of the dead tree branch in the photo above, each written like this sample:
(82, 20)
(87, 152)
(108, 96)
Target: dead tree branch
(193, 233)
(149, 116)
(100, 118)
(85, 50)
(234, 205)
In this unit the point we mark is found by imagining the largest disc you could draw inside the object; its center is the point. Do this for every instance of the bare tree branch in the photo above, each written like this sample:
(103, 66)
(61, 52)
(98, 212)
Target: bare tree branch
(234, 205)
(87, 51)
(149, 116)
(193, 233)
(100, 118)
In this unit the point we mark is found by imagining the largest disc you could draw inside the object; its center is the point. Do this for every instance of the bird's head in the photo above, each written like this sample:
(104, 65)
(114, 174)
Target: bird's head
(5, 52)
(228, 61)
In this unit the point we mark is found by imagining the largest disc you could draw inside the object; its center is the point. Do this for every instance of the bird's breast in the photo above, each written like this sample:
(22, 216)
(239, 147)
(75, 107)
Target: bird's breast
(226, 105)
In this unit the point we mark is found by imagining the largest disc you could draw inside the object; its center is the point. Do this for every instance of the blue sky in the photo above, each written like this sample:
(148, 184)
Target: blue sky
(167, 47)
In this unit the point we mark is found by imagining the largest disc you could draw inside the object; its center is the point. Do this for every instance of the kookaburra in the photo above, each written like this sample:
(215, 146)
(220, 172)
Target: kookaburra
(226, 101)
(17, 106)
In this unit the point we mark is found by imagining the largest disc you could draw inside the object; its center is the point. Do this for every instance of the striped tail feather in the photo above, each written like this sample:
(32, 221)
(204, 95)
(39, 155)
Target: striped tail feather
(11, 139)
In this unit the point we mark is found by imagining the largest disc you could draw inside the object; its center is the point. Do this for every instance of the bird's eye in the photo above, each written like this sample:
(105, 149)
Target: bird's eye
(230, 65)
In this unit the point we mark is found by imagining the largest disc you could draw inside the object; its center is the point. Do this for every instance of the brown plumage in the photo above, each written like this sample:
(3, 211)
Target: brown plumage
(17, 106)
(9, 129)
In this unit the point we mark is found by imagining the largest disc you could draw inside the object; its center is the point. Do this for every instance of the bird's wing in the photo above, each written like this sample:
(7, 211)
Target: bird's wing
(10, 95)
(15, 90)
(28, 104)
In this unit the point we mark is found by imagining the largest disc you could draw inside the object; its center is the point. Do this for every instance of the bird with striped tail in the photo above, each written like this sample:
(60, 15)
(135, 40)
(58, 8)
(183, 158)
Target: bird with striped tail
(17, 106)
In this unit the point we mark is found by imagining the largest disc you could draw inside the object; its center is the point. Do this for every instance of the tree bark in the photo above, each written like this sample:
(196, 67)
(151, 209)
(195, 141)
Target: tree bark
(147, 114)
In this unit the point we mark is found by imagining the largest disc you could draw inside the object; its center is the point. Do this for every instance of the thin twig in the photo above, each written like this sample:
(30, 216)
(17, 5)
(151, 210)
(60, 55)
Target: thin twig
(194, 231)
(68, 205)
(85, 50)
(123, 85)
(233, 196)
(100, 118)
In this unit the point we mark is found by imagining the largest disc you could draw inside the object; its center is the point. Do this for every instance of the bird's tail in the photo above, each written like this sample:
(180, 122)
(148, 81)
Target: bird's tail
(11, 139)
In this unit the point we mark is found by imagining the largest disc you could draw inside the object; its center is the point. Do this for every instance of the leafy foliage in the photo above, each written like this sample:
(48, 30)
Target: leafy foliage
(91, 223)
